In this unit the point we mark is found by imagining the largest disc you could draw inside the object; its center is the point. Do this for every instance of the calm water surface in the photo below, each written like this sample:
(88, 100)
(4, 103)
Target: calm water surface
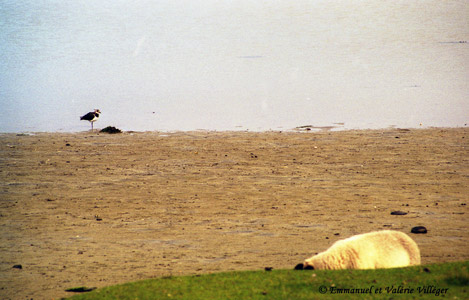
(224, 65)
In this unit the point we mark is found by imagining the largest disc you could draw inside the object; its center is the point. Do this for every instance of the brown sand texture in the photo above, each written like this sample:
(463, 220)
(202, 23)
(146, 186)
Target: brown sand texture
(93, 209)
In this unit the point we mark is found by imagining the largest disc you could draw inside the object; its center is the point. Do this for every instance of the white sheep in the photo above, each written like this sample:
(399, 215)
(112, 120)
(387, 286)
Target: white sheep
(374, 250)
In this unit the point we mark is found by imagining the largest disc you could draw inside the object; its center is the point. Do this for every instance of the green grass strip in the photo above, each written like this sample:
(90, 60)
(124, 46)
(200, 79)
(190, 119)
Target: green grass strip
(448, 280)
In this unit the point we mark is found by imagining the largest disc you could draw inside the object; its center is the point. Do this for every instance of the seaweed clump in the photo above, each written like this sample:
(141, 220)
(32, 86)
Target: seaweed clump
(111, 130)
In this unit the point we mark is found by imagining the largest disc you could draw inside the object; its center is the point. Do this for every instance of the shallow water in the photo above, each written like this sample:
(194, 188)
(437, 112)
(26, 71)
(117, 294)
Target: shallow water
(238, 65)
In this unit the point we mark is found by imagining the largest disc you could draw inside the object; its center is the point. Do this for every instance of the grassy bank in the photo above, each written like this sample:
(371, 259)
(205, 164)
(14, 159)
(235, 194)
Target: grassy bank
(449, 280)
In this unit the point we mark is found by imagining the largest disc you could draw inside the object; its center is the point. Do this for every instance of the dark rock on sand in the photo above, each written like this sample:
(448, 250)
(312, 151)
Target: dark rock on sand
(111, 130)
(398, 213)
(81, 289)
(419, 229)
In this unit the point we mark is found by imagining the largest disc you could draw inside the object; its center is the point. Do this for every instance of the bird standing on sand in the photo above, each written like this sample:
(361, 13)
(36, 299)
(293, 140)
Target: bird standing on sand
(92, 117)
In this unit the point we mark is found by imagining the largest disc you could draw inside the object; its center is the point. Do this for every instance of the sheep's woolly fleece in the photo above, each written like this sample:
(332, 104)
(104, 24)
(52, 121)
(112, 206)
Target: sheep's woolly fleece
(374, 250)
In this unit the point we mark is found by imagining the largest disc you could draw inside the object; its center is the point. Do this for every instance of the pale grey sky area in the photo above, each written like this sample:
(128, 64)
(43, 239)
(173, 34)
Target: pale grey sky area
(233, 65)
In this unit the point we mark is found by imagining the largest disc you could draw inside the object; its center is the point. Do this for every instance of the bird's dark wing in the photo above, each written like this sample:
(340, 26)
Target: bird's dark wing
(88, 117)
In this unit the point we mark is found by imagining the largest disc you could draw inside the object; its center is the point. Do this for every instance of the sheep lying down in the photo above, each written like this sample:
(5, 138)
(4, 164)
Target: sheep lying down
(374, 250)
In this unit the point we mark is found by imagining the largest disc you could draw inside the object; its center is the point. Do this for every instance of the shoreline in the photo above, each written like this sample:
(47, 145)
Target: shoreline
(91, 209)
(302, 128)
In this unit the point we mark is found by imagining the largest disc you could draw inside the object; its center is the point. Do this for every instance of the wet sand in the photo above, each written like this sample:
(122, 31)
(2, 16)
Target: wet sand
(90, 209)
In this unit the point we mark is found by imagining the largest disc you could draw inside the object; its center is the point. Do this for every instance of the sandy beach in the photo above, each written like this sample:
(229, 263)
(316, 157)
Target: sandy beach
(93, 209)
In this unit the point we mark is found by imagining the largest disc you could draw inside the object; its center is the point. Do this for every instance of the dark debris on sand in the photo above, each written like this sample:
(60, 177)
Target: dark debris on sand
(111, 130)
